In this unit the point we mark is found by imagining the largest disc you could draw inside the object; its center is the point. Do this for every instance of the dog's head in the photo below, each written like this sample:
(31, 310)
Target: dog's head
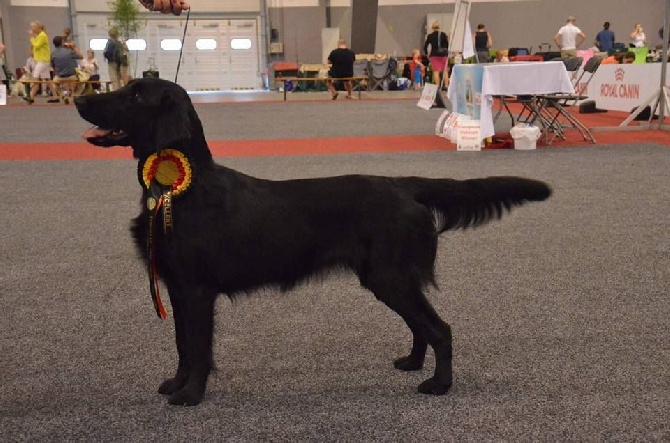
(147, 114)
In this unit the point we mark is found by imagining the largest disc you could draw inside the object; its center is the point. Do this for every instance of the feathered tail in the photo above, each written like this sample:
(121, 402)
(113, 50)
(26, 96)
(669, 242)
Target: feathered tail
(471, 203)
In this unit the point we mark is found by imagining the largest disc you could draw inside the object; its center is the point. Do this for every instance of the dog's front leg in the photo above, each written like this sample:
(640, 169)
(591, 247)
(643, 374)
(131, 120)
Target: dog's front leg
(196, 326)
(171, 385)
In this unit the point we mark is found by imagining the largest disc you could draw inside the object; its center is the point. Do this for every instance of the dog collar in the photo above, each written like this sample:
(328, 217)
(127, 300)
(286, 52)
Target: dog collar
(170, 168)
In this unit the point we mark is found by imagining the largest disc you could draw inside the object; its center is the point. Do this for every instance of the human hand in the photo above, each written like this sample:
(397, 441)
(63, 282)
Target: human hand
(167, 6)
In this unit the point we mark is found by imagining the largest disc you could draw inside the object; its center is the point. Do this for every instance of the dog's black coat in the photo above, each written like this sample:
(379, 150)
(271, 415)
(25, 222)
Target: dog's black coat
(233, 233)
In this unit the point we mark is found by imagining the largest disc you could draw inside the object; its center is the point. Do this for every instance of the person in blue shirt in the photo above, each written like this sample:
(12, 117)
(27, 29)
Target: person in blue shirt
(64, 62)
(605, 38)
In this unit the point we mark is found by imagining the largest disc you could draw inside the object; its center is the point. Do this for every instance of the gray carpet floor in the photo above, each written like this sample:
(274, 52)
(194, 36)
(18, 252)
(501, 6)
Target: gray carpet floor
(560, 311)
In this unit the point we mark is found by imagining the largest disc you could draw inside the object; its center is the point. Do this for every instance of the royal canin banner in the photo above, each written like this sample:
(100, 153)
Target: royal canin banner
(623, 87)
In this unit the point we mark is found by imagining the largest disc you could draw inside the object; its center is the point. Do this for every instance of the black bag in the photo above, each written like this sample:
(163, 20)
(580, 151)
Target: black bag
(150, 74)
(645, 115)
(440, 51)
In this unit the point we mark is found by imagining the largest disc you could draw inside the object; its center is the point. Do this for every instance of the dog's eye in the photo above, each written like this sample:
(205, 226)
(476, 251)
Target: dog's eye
(137, 98)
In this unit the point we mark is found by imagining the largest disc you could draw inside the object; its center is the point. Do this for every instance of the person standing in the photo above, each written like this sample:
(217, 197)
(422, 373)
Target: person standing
(438, 55)
(342, 66)
(418, 70)
(605, 38)
(113, 53)
(638, 39)
(483, 42)
(2, 61)
(571, 37)
(39, 41)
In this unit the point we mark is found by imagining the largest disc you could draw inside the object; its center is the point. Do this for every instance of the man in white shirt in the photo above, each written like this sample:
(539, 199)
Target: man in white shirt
(570, 38)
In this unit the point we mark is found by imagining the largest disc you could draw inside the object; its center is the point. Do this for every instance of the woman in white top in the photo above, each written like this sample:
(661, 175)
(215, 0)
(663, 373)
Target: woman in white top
(637, 37)
(91, 66)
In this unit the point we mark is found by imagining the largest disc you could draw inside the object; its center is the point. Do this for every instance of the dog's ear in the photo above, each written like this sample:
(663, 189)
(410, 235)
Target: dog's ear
(174, 124)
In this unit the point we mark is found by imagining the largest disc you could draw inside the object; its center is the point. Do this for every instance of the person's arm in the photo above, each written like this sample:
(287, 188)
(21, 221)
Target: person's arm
(583, 39)
(425, 45)
(490, 40)
(556, 37)
(75, 52)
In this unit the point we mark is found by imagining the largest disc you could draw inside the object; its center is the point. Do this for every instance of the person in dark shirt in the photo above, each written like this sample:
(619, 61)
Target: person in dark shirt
(64, 63)
(483, 42)
(605, 38)
(342, 66)
(439, 50)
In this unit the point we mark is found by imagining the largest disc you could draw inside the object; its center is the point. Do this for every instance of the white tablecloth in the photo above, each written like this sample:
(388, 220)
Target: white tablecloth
(530, 78)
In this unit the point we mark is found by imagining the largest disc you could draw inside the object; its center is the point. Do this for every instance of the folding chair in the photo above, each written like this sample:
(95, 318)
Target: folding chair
(554, 105)
(572, 65)
(380, 72)
(362, 69)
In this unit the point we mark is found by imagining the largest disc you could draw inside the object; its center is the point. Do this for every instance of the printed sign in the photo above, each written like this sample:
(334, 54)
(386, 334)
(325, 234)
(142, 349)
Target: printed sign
(468, 137)
(623, 87)
(467, 84)
(427, 96)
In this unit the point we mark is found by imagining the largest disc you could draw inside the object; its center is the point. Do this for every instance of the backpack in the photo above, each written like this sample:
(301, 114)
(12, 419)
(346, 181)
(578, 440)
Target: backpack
(113, 52)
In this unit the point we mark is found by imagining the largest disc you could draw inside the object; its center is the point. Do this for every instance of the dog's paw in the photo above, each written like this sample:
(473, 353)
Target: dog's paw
(408, 363)
(170, 386)
(433, 386)
(189, 395)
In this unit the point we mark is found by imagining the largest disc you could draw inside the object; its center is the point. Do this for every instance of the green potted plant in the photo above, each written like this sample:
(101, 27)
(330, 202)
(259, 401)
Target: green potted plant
(125, 17)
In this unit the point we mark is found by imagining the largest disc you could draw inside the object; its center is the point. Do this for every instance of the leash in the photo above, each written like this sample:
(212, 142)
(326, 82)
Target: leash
(153, 205)
(183, 38)
(164, 175)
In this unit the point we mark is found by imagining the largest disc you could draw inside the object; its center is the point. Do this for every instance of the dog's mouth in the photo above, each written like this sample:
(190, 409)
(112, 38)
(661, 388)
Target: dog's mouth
(106, 137)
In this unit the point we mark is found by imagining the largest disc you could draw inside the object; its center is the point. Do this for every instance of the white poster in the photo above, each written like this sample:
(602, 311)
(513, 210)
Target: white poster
(469, 138)
(3, 94)
(427, 96)
(623, 87)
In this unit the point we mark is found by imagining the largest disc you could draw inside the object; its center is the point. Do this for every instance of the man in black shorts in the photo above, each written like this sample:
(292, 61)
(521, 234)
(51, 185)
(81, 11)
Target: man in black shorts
(342, 66)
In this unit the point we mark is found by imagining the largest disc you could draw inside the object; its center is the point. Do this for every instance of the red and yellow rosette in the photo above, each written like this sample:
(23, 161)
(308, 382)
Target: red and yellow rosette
(170, 168)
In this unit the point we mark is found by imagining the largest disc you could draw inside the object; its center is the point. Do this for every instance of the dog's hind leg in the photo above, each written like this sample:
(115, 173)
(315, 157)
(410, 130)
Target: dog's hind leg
(413, 361)
(408, 301)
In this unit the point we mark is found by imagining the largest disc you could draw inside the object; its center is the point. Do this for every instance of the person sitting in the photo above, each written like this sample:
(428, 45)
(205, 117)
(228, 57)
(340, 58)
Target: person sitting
(500, 58)
(619, 58)
(342, 67)
(91, 67)
(64, 63)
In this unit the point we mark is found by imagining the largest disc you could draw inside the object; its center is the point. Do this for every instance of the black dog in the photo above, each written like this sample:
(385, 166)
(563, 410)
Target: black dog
(228, 233)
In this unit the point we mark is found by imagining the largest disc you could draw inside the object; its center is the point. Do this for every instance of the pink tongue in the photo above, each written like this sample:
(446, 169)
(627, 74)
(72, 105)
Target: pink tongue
(96, 132)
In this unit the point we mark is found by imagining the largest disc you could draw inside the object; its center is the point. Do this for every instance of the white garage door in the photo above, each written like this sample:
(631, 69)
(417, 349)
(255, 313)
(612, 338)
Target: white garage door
(219, 54)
